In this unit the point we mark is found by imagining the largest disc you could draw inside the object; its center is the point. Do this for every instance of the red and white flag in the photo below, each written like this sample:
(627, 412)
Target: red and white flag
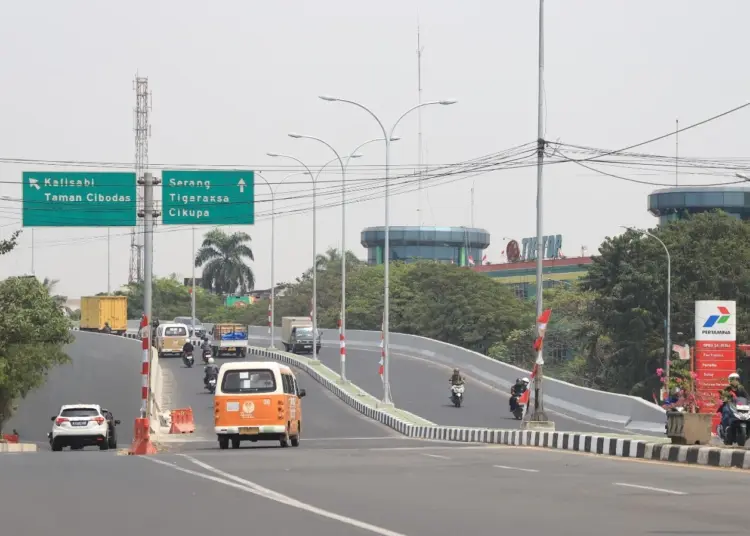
(471, 260)
(542, 322)
(682, 351)
(484, 259)
(524, 398)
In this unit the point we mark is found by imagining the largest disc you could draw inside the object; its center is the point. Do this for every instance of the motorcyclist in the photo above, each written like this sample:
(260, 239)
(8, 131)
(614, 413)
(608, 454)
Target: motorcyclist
(457, 379)
(205, 345)
(188, 349)
(731, 391)
(734, 389)
(211, 370)
(517, 390)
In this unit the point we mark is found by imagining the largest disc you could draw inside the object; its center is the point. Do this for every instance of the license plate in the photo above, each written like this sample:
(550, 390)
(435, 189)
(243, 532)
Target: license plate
(249, 430)
(230, 348)
(308, 346)
(79, 423)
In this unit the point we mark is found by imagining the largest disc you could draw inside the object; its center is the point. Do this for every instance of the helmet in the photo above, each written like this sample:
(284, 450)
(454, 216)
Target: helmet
(525, 380)
(210, 360)
(455, 371)
(734, 376)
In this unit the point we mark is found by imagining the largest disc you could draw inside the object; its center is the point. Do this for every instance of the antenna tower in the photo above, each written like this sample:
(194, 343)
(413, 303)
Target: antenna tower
(419, 122)
(142, 129)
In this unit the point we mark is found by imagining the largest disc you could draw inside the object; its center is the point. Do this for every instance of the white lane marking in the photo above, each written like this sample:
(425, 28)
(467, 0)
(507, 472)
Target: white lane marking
(435, 448)
(436, 456)
(250, 487)
(516, 468)
(649, 488)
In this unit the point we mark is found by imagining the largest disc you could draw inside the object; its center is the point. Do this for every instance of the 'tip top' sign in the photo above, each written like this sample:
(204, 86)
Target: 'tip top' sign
(550, 247)
(213, 197)
(715, 320)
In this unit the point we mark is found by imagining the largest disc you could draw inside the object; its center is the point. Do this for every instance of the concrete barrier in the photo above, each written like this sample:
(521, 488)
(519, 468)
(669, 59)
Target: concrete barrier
(18, 447)
(595, 444)
(630, 413)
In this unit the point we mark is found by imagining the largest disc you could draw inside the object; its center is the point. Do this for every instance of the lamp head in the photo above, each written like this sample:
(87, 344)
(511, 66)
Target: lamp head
(355, 155)
(273, 154)
(448, 101)
(395, 138)
(327, 98)
(295, 135)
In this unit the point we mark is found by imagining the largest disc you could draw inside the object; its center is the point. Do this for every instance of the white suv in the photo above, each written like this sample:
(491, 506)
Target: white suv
(78, 426)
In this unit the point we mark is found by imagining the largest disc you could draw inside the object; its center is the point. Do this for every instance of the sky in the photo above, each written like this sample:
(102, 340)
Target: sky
(230, 80)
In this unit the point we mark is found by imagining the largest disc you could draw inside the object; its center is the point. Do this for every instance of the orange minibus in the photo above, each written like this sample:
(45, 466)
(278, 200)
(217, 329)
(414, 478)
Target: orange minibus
(257, 401)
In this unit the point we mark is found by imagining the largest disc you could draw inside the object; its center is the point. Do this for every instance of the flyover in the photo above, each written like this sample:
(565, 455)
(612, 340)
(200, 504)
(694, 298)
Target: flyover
(104, 370)
(420, 370)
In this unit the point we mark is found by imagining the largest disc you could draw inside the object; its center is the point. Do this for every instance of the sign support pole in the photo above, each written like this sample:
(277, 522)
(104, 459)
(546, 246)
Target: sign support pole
(149, 214)
(192, 291)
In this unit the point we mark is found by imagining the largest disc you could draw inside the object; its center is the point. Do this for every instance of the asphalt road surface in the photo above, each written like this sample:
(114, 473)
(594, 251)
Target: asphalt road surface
(422, 387)
(368, 488)
(105, 370)
(325, 417)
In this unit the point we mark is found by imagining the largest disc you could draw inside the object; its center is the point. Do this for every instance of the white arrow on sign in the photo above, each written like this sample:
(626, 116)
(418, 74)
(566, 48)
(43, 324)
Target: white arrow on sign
(241, 184)
(34, 183)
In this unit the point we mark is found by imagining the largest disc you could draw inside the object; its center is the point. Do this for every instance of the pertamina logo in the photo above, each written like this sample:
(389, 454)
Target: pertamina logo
(714, 324)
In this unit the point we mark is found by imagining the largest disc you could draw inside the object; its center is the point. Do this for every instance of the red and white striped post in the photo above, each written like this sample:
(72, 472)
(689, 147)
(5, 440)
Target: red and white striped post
(342, 346)
(145, 387)
(269, 320)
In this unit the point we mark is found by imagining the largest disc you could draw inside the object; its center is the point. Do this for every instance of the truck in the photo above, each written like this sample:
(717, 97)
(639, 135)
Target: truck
(229, 339)
(99, 311)
(297, 334)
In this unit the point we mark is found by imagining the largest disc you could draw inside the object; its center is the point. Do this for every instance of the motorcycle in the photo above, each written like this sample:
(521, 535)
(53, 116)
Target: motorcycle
(211, 384)
(206, 354)
(518, 408)
(457, 395)
(188, 360)
(737, 422)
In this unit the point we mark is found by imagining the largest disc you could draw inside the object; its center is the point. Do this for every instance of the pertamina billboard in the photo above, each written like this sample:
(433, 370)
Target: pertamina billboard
(715, 320)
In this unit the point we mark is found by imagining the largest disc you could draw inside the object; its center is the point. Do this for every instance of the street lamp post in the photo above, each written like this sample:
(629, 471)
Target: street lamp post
(387, 137)
(668, 327)
(343, 238)
(314, 247)
(273, 248)
(344, 167)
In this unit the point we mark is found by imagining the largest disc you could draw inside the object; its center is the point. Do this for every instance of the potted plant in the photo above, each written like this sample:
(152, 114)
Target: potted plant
(686, 425)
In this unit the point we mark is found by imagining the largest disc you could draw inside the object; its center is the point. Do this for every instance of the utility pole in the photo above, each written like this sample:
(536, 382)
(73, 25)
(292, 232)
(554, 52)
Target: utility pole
(676, 152)
(192, 290)
(538, 418)
(109, 266)
(419, 123)
(148, 214)
(142, 129)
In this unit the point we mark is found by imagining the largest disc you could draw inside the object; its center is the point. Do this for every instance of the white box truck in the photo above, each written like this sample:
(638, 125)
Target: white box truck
(297, 334)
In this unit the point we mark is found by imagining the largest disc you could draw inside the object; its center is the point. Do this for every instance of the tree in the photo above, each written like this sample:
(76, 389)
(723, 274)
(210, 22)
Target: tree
(6, 246)
(169, 299)
(33, 330)
(222, 258)
(50, 285)
(710, 254)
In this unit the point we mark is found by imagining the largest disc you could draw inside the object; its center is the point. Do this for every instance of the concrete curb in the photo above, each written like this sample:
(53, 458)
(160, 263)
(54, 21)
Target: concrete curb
(571, 441)
(18, 447)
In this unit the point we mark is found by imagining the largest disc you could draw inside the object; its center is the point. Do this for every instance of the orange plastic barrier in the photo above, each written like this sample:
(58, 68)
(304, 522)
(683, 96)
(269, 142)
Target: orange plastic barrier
(10, 438)
(142, 439)
(182, 421)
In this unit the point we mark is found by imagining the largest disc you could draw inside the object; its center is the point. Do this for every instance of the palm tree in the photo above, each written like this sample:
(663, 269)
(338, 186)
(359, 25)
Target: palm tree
(50, 285)
(222, 258)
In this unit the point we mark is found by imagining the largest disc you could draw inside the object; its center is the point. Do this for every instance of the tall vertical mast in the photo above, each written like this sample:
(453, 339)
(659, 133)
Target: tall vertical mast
(419, 122)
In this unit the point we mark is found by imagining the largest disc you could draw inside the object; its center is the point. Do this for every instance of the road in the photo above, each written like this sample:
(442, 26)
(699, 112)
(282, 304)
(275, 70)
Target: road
(421, 386)
(104, 370)
(326, 418)
(366, 488)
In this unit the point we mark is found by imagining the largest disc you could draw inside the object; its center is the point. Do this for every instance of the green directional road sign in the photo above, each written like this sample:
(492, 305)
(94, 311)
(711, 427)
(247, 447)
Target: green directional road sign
(79, 199)
(208, 197)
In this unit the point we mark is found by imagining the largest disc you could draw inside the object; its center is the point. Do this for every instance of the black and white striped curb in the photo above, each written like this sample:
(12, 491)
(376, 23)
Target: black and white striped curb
(570, 441)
